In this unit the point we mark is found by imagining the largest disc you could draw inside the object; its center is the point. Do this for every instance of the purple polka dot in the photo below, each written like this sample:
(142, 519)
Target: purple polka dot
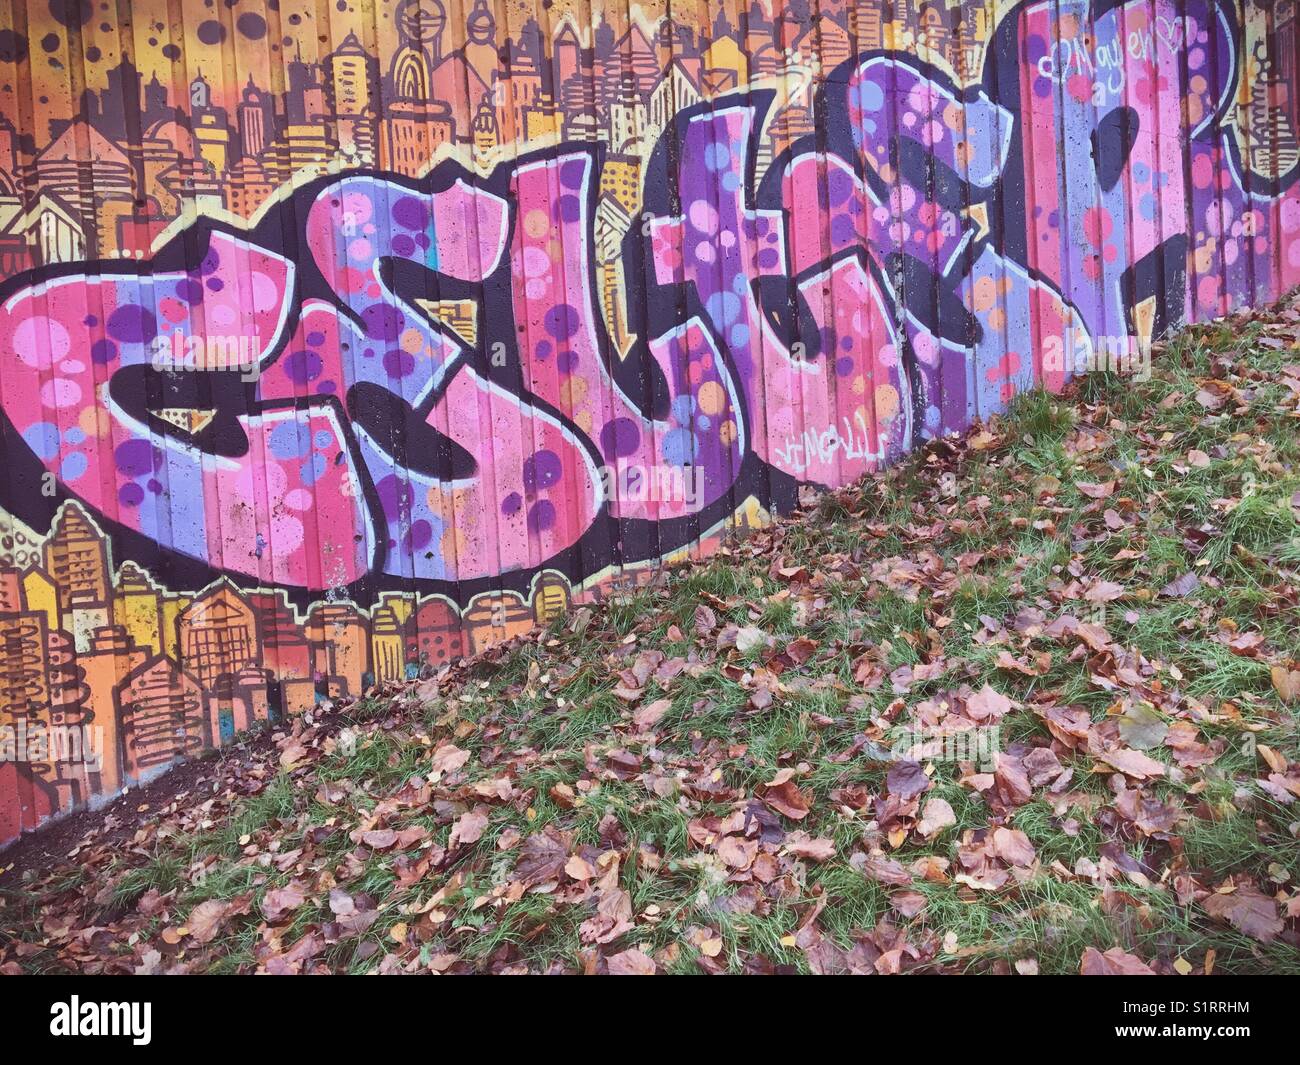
(382, 321)
(130, 495)
(303, 366)
(511, 503)
(154, 485)
(542, 470)
(251, 25)
(568, 361)
(211, 262)
(315, 338)
(103, 351)
(403, 246)
(569, 208)
(619, 438)
(132, 324)
(561, 321)
(395, 496)
(135, 458)
(844, 366)
(411, 213)
(211, 32)
(839, 186)
(541, 516)
(543, 349)
(216, 284)
(420, 535)
(572, 173)
(189, 290)
(398, 363)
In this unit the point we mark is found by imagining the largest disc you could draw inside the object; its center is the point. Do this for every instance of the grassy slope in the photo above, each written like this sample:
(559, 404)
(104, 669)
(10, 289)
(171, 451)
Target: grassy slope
(576, 835)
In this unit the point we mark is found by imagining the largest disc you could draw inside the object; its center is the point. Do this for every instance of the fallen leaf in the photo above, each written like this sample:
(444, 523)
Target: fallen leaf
(1248, 911)
(291, 754)
(469, 827)
(820, 849)
(786, 799)
(448, 758)
(1286, 682)
(1183, 586)
(1142, 727)
(936, 816)
(988, 704)
(1114, 962)
(631, 963)
(907, 780)
(884, 870)
(205, 920)
(1133, 763)
(379, 839)
(648, 716)
(1013, 847)
(284, 900)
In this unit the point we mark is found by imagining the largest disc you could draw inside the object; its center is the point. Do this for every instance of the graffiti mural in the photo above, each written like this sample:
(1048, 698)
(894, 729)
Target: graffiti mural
(339, 343)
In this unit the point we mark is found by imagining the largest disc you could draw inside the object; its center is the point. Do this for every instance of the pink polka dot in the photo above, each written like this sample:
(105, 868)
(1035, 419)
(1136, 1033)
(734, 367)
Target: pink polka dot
(265, 292)
(703, 216)
(926, 348)
(1207, 291)
(1097, 225)
(1290, 213)
(357, 208)
(40, 341)
(60, 393)
(1202, 171)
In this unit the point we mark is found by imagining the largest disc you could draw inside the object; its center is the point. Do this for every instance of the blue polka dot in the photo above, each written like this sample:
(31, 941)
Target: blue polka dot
(679, 447)
(724, 308)
(43, 439)
(717, 157)
(871, 97)
(73, 466)
(286, 442)
(683, 408)
(313, 469)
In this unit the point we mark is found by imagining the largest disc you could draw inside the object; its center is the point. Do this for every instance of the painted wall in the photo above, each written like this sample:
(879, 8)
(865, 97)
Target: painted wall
(335, 339)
